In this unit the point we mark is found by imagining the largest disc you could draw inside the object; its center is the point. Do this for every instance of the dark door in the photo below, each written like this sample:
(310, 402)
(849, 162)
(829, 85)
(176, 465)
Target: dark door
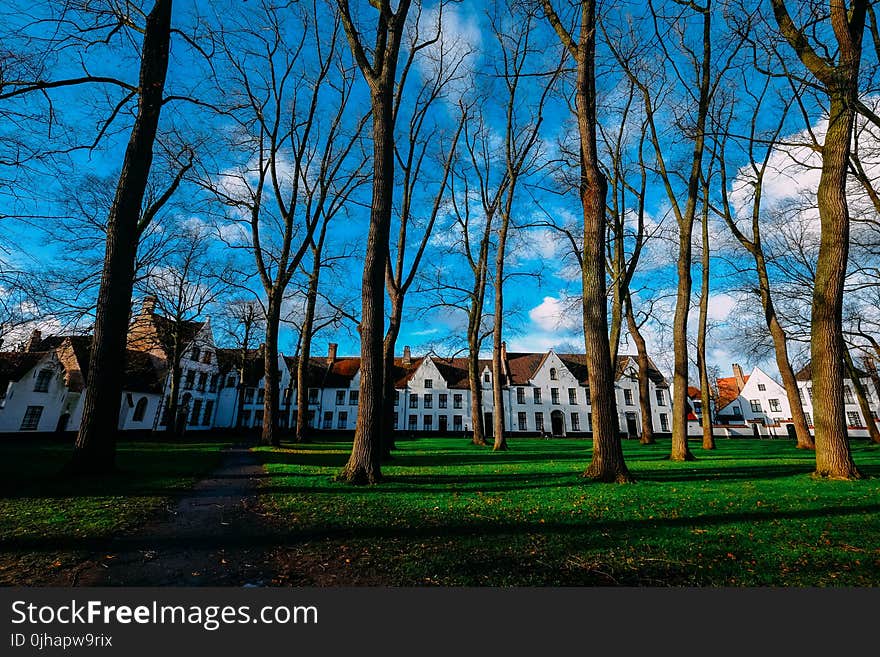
(755, 431)
(441, 423)
(488, 425)
(792, 432)
(557, 423)
(62, 422)
(632, 427)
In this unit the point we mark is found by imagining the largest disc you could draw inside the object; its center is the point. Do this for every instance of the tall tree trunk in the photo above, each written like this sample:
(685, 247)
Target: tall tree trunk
(705, 399)
(833, 456)
(607, 463)
(499, 379)
(864, 405)
(95, 449)
(363, 465)
(478, 430)
(241, 374)
(647, 437)
(305, 353)
(271, 375)
(388, 346)
(174, 393)
(780, 348)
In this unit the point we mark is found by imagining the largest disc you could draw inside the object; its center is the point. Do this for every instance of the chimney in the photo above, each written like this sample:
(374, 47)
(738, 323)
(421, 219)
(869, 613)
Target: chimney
(148, 305)
(331, 353)
(35, 340)
(407, 356)
(738, 374)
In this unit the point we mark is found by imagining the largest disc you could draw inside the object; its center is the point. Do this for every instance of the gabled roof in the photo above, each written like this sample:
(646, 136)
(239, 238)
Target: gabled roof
(155, 333)
(728, 391)
(524, 366)
(317, 369)
(15, 364)
(254, 364)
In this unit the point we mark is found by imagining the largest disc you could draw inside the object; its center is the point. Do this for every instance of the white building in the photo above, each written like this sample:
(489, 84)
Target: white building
(854, 418)
(753, 405)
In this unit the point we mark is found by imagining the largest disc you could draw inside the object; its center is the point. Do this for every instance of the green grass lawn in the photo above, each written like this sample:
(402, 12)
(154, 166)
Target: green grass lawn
(453, 514)
(48, 522)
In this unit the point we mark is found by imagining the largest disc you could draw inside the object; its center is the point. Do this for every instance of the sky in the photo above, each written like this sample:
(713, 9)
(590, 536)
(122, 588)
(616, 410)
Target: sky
(541, 294)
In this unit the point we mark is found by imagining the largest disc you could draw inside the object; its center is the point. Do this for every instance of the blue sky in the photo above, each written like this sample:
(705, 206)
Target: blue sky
(540, 313)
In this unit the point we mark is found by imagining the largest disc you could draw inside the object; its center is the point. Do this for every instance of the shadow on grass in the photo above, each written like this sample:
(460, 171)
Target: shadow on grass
(593, 534)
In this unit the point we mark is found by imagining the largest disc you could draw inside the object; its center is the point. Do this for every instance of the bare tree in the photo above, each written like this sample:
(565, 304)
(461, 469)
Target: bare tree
(289, 101)
(607, 462)
(838, 76)
(364, 466)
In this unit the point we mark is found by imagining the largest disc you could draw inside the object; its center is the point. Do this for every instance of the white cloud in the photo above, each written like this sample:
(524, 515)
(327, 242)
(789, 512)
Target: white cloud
(552, 315)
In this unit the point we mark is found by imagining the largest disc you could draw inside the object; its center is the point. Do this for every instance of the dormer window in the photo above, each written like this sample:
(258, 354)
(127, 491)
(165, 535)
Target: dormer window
(206, 357)
(554, 376)
(195, 354)
(487, 378)
(43, 380)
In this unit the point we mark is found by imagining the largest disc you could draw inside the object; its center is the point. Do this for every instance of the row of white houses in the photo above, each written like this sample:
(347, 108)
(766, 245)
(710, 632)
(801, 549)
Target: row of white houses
(41, 389)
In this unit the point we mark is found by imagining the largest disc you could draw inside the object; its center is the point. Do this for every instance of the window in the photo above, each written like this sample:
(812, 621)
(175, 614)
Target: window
(195, 354)
(249, 396)
(487, 378)
(537, 395)
(413, 400)
(43, 380)
(456, 422)
(206, 357)
(164, 420)
(429, 383)
(413, 422)
(396, 420)
(209, 411)
(661, 401)
(342, 420)
(520, 395)
(429, 400)
(664, 422)
(261, 395)
(310, 418)
(313, 395)
(203, 381)
(628, 396)
(539, 421)
(589, 421)
(190, 379)
(212, 387)
(352, 397)
(847, 395)
(456, 400)
(774, 405)
(442, 400)
(854, 419)
(340, 397)
(140, 410)
(554, 374)
(230, 381)
(328, 420)
(737, 411)
(809, 419)
(554, 396)
(258, 418)
(428, 422)
(801, 394)
(756, 405)
(575, 422)
(810, 393)
(196, 414)
(31, 419)
(521, 421)
(762, 387)
(245, 418)
(397, 397)
(587, 394)
(572, 396)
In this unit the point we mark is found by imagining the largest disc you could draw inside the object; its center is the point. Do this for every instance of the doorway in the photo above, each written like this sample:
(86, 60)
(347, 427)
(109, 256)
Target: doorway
(632, 425)
(792, 432)
(488, 425)
(557, 423)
